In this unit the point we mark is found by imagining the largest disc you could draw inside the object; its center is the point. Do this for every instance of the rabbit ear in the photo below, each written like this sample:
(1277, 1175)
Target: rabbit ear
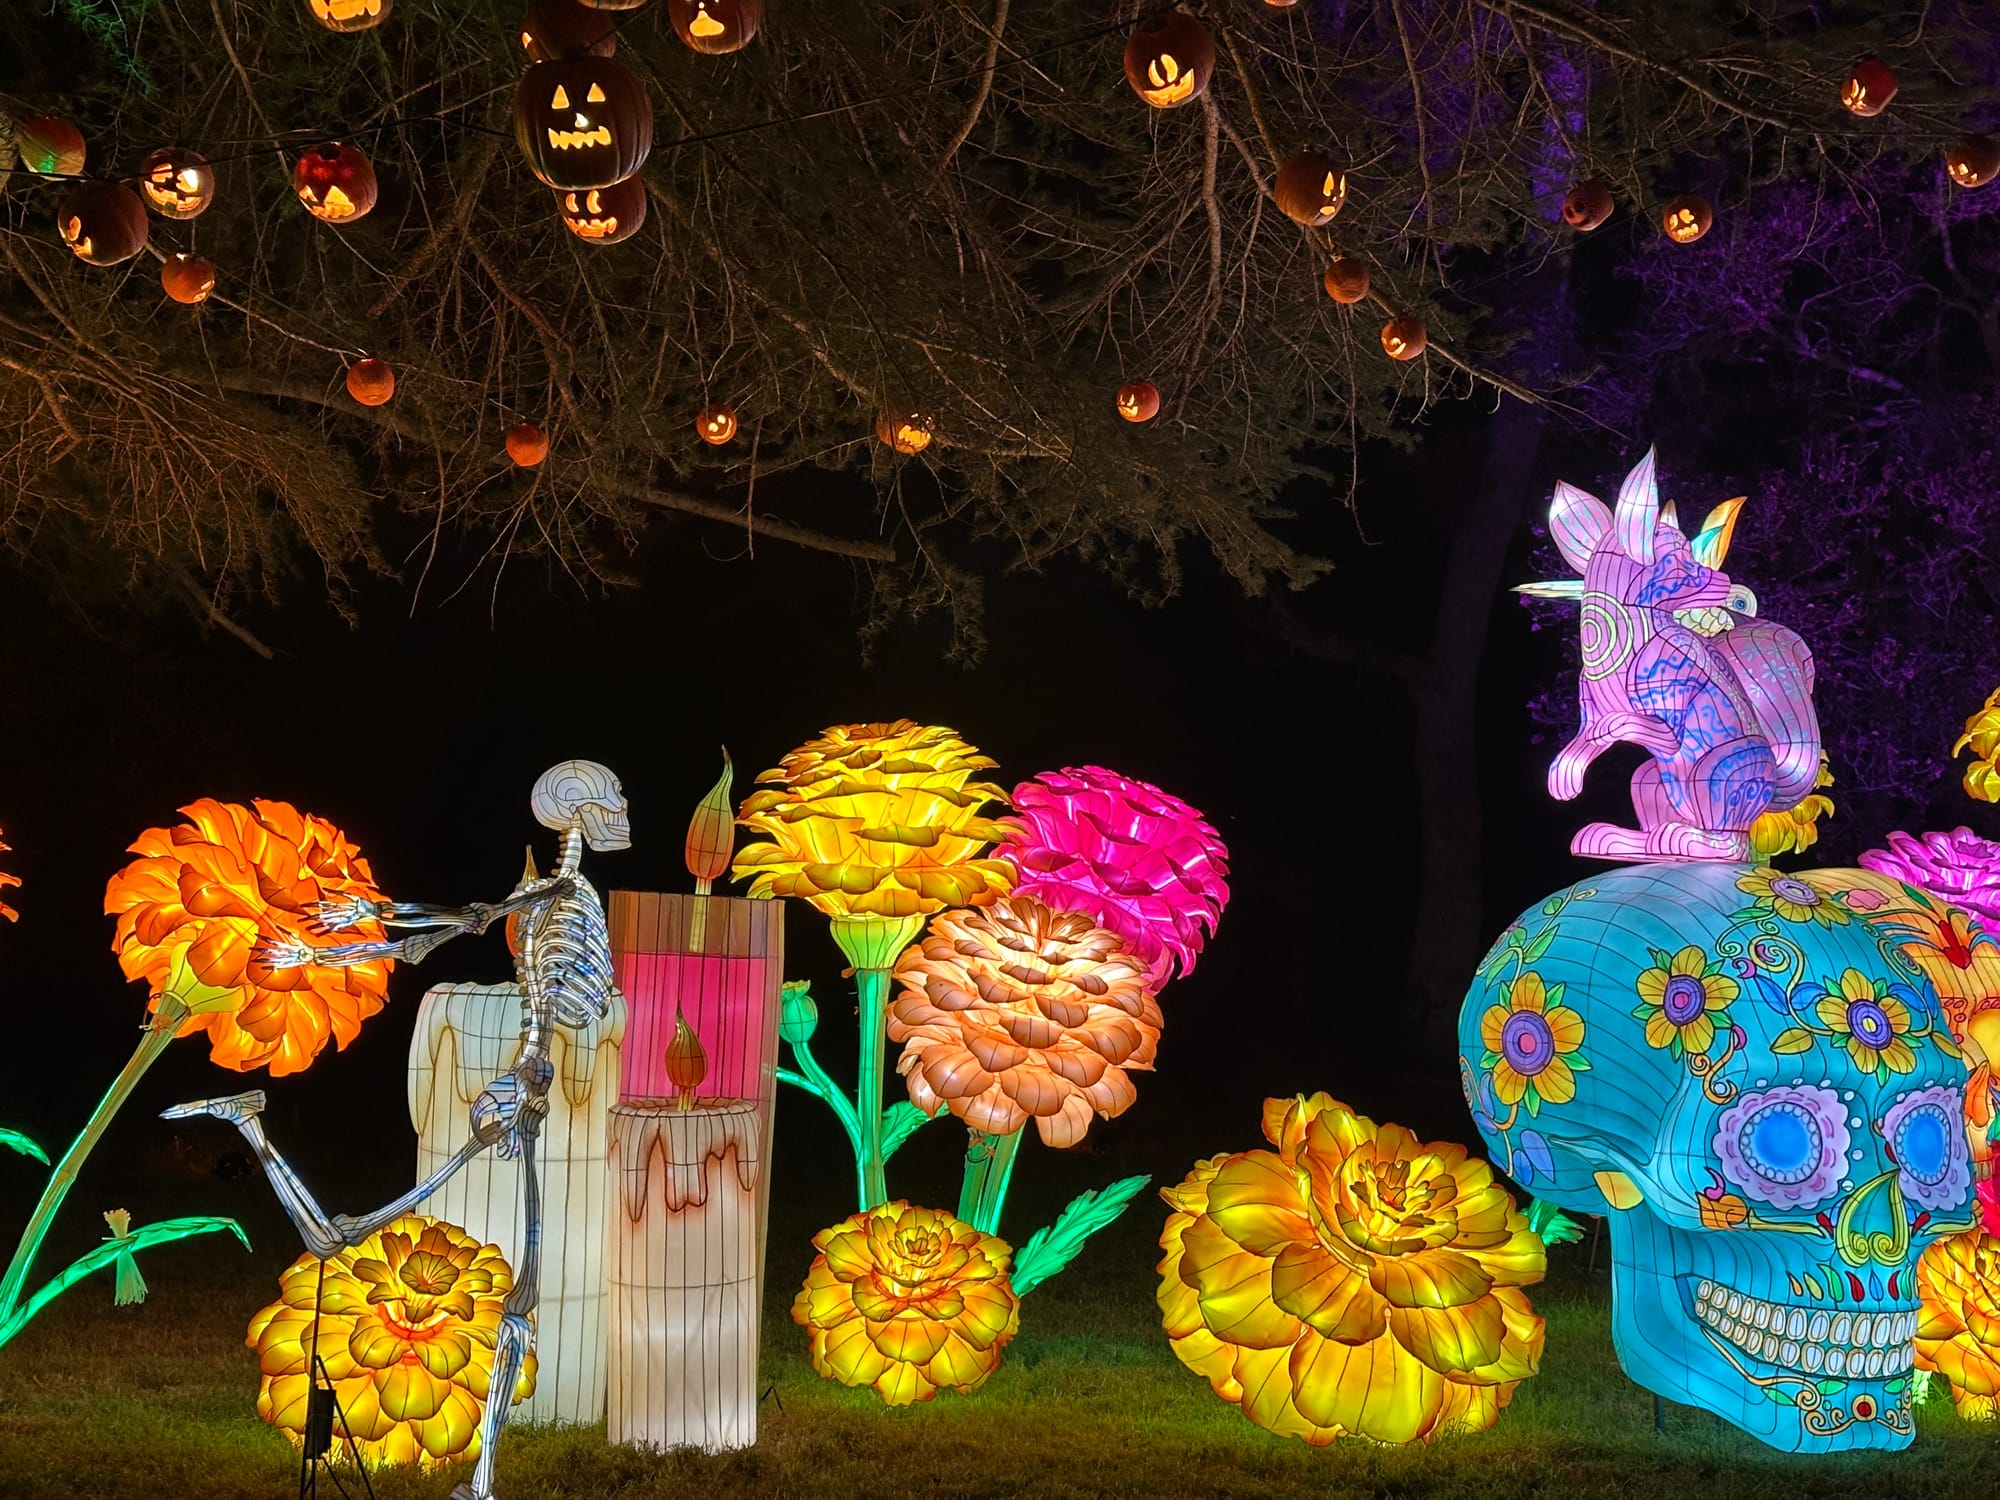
(1637, 511)
(1578, 522)
(1711, 543)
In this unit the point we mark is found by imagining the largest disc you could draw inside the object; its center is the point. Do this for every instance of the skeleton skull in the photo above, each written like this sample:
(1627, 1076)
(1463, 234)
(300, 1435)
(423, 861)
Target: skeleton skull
(584, 795)
(1747, 1075)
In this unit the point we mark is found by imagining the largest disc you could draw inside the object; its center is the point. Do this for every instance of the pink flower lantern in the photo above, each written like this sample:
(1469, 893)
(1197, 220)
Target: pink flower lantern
(1132, 858)
(1959, 867)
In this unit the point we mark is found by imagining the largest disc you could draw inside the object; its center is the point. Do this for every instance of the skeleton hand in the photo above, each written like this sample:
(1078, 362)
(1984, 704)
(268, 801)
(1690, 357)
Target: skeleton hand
(235, 1109)
(343, 915)
(493, 1116)
(284, 953)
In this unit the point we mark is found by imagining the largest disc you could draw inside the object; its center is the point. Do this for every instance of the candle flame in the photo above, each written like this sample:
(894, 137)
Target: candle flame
(687, 1061)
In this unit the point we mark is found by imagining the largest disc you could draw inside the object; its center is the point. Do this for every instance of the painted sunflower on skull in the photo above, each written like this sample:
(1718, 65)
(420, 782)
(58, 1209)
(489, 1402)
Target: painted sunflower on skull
(1352, 1283)
(408, 1323)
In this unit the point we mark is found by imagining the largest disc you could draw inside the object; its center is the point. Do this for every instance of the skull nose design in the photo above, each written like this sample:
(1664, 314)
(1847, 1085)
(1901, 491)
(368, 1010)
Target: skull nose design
(1873, 1224)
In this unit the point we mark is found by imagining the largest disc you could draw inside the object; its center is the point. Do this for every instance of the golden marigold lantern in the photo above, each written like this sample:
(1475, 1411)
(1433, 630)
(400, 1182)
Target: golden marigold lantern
(1138, 401)
(349, 15)
(1687, 218)
(335, 182)
(187, 278)
(49, 147)
(527, 444)
(583, 122)
(690, 1144)
(1404, 338)
(1973, 160)
(716, 26)
(1346, 279)
(564, 28)
(715, 424)
(1868, 87)
(1587, 205)
(1168, 59)
(371, 382)
(103, 223)
(908, 431)
(177, 184)
(1310, 188)
(604, 216)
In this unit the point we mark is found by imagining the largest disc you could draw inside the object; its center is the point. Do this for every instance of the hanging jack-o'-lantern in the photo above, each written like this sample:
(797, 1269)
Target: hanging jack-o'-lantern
(336, 183)
(583, 122)
(604, 216)
(564, 28)
(370, 382)
(49, 147)
(614, 4)
(1346, 279)
(102, 223)
(1404, 338)
(1138, 401)
(349, 15)
(1168, 58)
(1974, 161)
(906, 430)
(527, 444)
(177, 184)
(1869, 88)
(716, 26)
(1687, 218)
(1587, 205)
(187, 278)
(1310, 188)
(715, 424)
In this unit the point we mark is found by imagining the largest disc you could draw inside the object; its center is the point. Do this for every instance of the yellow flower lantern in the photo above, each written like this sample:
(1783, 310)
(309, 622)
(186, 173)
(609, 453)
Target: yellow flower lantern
(1958, 1329)
(1352, 1283)
(1793, 830)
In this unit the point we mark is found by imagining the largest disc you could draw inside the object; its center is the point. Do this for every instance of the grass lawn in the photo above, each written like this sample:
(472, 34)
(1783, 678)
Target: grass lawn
(157, 1401)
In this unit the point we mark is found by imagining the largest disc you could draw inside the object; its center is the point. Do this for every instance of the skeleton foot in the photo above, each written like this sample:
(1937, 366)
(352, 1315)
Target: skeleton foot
(467, 1492)
(1668, 842)
(236, 1108)
(1608, 841)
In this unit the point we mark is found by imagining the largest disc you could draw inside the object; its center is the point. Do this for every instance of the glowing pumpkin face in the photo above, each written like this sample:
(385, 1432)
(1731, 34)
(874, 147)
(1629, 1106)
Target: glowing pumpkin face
(604, 216)
(177, 184)
(562, 28)
(102, 223)
(716, 424)
(336, 183)
(1587, 205)
(187, 278)
(1687, 218)
(1404, 338)
(1310, 188)
(1974, 161)
(1168, 59)
(583, 122)
(1869, 88)
(1139, 401)
(907, 432)
(716, 26)
(349, 15)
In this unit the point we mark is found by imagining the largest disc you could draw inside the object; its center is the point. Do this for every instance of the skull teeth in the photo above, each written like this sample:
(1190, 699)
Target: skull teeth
(1859, 1346)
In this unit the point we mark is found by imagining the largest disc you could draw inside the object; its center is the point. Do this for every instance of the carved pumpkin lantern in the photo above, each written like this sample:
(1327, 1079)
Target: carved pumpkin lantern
(1404, 338)
(1168, 59)
(1346, 279)
(583, 122)
(716, 424)
(49, 147)
(371, 382)
(907, 431)
(187, 278)
(555, 29)
(1138, 401)
(1869, 88)
(336, 183)
(1974, 161)
(1687, 218)
(527, 444)
(177, 184)
(349, 15)
(716, 26)
(102, 223)
(1587, 205)
(1310, 188)
(604, 216)
(614, 4)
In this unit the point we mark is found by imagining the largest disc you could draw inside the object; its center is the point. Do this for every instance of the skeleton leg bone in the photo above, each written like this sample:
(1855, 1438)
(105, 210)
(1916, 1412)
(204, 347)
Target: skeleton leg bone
(516, 1338)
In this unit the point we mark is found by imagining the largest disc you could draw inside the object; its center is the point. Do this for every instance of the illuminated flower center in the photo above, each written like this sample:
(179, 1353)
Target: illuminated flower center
(1383, 1211)
(1527, 1043)
(1791, 889)
(1870, 1023)
(429, 1274)
(1683, 999)
(920, 1246)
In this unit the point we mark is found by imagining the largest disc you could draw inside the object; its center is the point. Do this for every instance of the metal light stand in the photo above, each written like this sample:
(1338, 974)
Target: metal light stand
(322, 1407)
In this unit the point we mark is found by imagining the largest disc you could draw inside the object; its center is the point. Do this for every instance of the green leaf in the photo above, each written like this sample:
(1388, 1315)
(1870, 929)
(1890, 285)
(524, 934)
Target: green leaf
(20, 1143)
(1050, 1249)
(899, 1123)
(165, 1232)
(1783, 1398)
(1541, 943)
(1793, 1039)
(1812, 1284)
(1830, 1387)
(1553, 1225)
(1893, 1387)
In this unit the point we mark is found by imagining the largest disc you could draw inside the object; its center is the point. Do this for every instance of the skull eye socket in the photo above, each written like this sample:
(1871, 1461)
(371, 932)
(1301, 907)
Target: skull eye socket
(560, 99)
(1923, 1144)
(1782, 1143)
(596, 94)
(1925, 1136)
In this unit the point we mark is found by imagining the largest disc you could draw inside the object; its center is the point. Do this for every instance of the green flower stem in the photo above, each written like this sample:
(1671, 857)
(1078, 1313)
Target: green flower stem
(159, 1032)
(108, 1253)
(814, 1080)
(989, 1168)
(872, 988)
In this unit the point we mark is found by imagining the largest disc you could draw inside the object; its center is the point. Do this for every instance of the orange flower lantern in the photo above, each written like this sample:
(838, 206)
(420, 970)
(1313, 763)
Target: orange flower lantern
(187, 278)
(1168, 59)
(406, 1324)
(1973, 161)
(1139, 401)
(1346, 279)
(1687, 218)
(371, 382)
(1404, 338)
(1351, 1283)
(715, 424)
(1958, 1327)
(1587, 205)
(177, 184)
(1310, 188)
(1868, 88)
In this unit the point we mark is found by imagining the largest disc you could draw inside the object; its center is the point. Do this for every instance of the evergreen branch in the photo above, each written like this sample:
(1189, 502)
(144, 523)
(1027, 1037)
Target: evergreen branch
(1051, 1248)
